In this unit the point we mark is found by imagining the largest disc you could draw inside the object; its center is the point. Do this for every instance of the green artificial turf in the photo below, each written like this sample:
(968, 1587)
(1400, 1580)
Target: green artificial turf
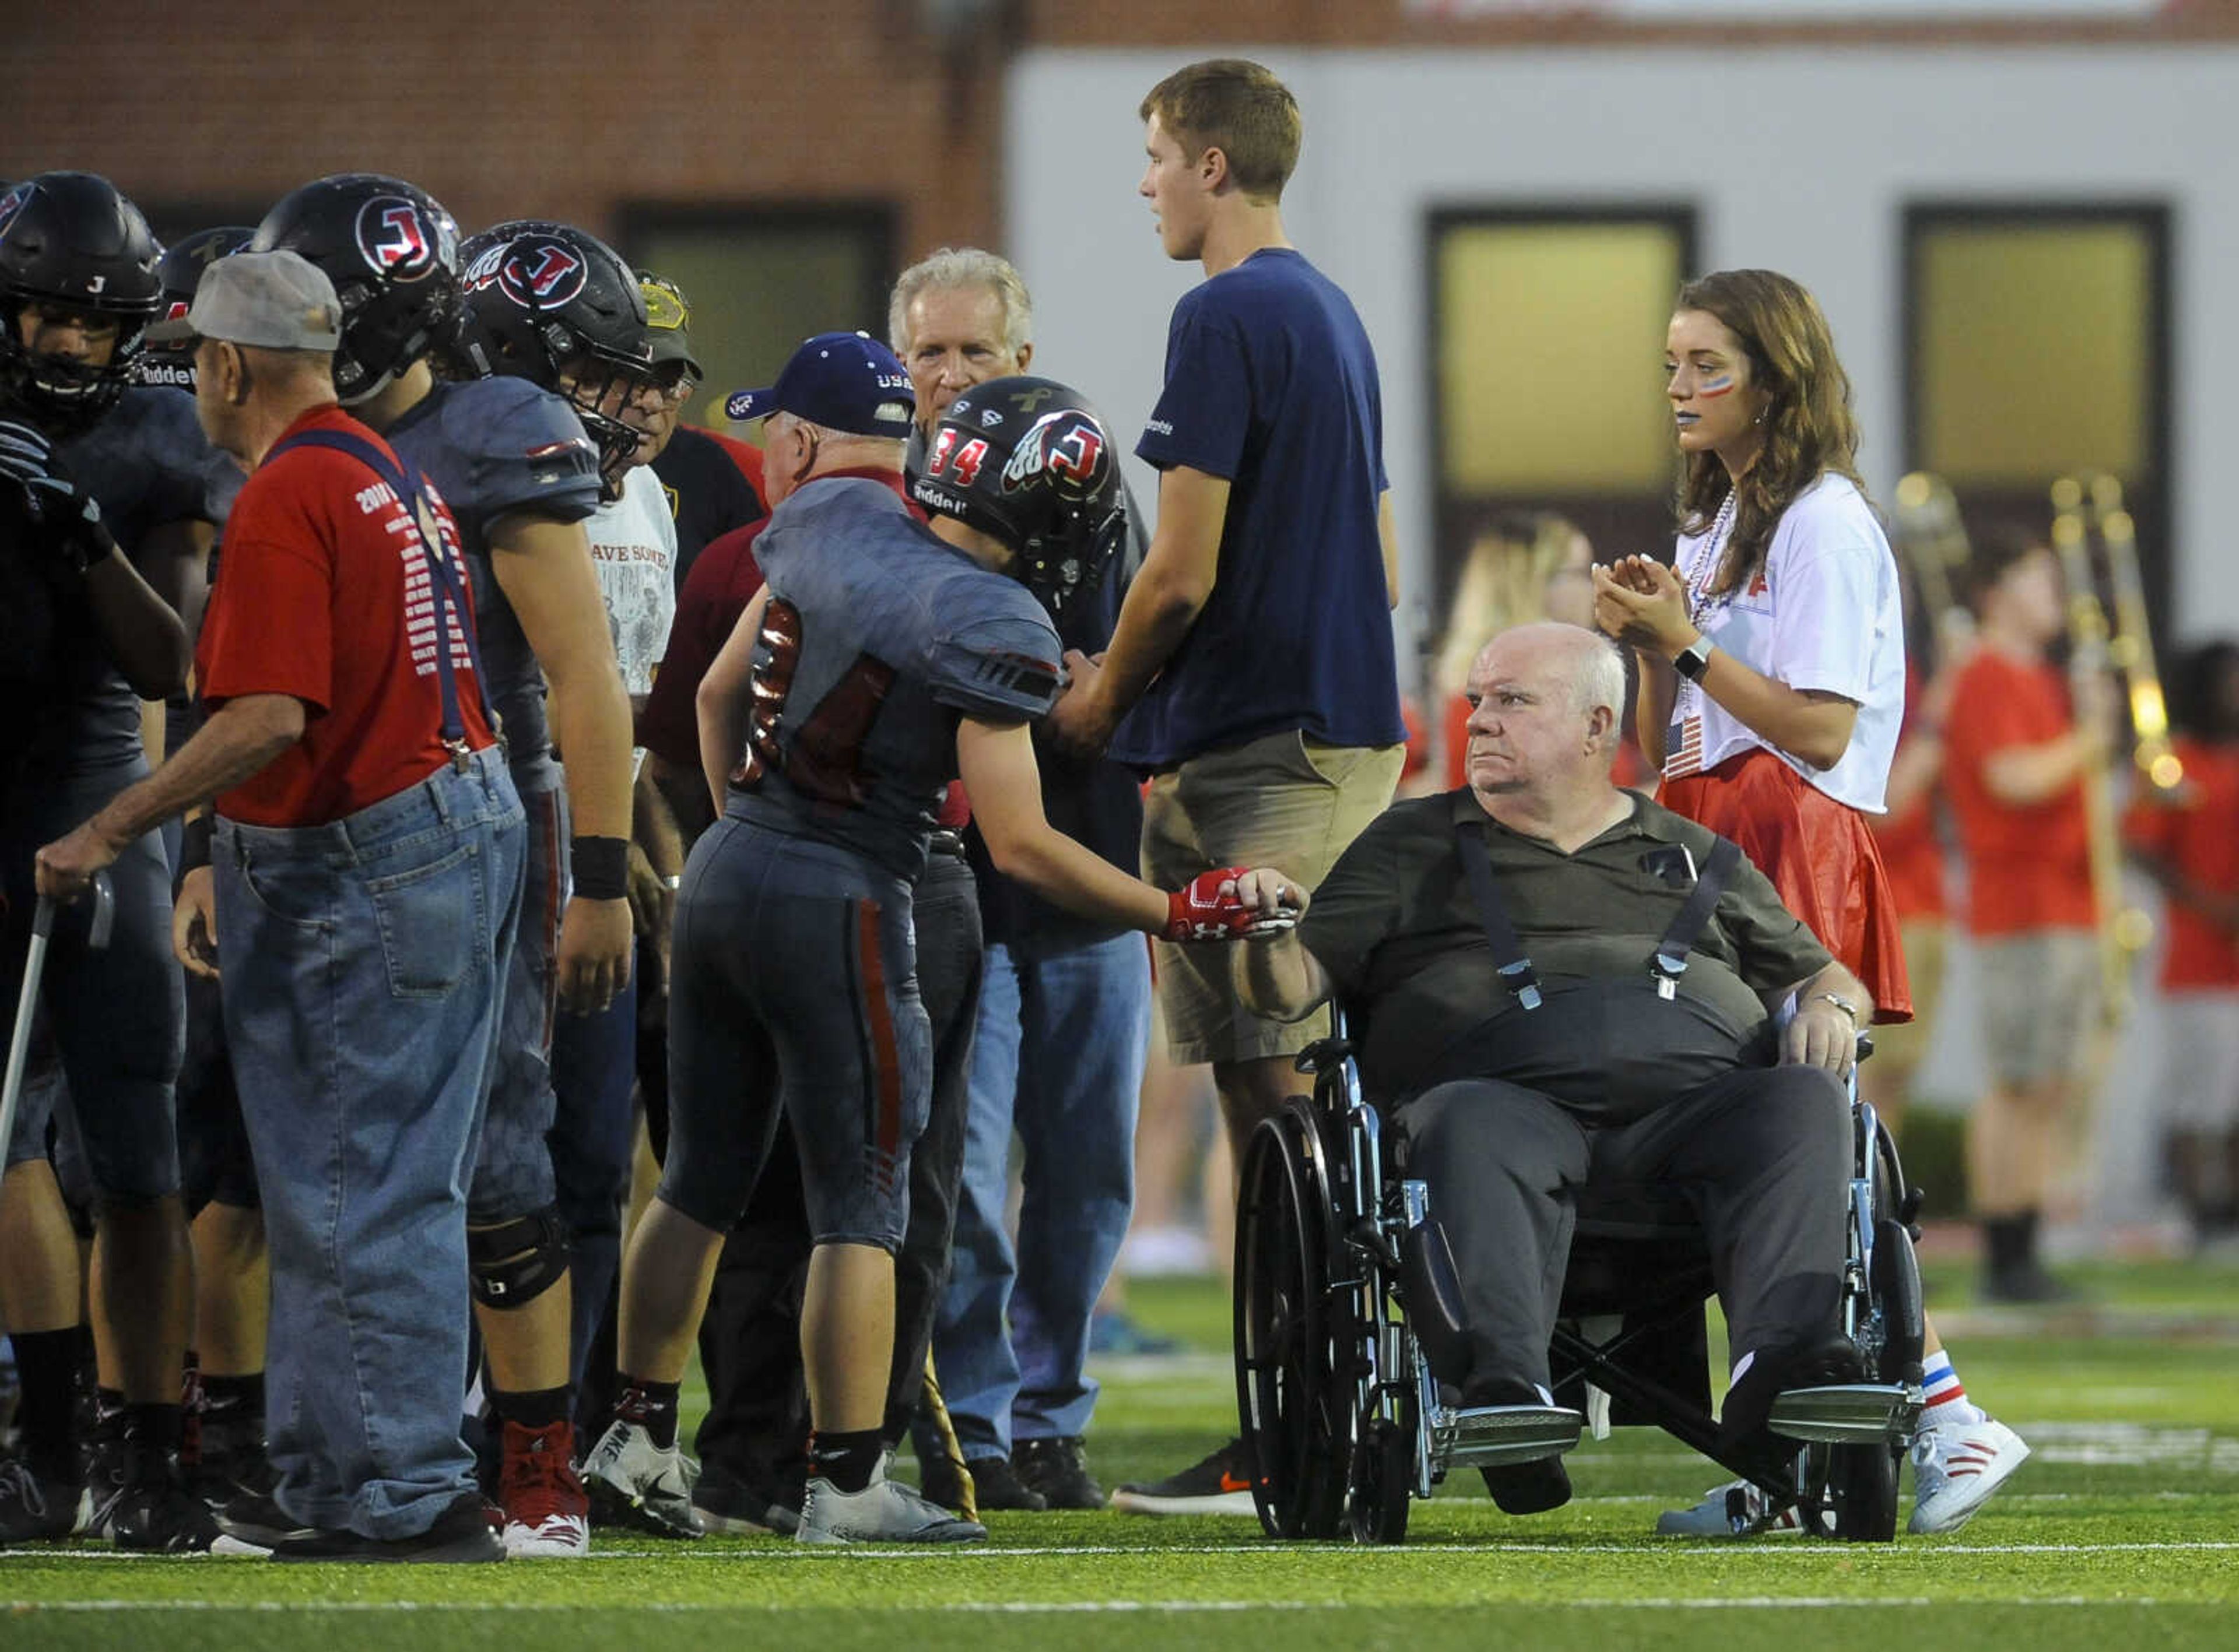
(2120, 1534)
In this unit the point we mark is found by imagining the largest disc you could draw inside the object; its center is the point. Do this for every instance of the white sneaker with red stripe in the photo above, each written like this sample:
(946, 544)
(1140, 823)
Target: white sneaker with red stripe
(1955, 1469)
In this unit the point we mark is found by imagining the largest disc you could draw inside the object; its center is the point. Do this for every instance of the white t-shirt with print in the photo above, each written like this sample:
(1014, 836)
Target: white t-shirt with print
(1822, 615)
(633, 549)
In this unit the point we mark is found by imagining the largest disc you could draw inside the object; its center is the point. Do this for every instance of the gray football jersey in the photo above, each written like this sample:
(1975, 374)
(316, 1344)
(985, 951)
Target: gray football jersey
(147, 464)
(491, 447)
(876, 641)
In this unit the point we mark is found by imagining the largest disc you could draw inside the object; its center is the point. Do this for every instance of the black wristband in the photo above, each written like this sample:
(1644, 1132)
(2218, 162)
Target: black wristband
(599, 867)
(195, 839)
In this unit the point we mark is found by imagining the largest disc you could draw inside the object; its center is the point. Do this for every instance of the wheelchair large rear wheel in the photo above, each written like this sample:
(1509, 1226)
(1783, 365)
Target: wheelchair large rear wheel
(1295, 1414)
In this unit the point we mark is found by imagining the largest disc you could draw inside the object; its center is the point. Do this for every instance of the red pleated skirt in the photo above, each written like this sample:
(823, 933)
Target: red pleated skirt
(1820, 855)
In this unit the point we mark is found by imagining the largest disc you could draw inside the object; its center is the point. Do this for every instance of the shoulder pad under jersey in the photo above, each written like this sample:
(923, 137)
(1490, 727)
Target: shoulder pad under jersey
(993, 653)
(523, 448)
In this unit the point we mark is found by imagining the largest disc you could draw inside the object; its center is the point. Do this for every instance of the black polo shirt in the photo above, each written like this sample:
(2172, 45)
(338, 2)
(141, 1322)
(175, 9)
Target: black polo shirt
(1396, 928)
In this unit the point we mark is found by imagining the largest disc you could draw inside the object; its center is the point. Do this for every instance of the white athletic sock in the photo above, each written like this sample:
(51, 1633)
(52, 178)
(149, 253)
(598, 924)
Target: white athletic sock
(1945, 1404)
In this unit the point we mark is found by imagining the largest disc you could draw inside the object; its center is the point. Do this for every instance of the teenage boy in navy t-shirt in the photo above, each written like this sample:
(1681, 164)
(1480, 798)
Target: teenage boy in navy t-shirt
(1251, 673)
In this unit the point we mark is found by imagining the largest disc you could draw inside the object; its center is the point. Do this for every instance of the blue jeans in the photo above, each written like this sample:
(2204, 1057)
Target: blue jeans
(1058, 1059)
(363, 962)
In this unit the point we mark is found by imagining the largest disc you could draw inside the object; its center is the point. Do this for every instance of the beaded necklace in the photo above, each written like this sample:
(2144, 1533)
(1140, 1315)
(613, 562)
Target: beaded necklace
(1699, 600)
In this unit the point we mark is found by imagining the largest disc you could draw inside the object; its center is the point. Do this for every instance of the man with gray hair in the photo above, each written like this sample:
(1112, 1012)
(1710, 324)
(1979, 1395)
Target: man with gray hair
(1062, 1027)
(369, 856)
(958, 317)
(1556, 982)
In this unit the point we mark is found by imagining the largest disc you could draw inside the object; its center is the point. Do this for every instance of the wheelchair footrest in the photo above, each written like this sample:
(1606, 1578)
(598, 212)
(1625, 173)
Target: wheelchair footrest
(1847, 1413)
(1486, 1435)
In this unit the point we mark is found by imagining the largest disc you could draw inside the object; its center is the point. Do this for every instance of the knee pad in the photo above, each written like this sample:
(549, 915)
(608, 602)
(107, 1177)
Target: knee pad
(512, 1264)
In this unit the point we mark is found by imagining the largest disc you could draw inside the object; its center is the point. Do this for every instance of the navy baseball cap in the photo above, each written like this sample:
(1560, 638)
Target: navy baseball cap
(841, 380)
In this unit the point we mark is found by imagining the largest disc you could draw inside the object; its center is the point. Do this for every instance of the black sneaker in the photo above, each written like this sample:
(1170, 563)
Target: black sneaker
(105, 1476)
(2027, 1286)
(1219, 1485)
(461, 1535)
(744, 1507)
(254, 1518)
(160, 1516)
(995, 1484)
(36, 1507)
(1057, 1468)
(1531, 1487)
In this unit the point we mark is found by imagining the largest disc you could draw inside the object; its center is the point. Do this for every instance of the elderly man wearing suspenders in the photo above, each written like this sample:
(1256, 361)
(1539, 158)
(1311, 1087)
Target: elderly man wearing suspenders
(367, 873)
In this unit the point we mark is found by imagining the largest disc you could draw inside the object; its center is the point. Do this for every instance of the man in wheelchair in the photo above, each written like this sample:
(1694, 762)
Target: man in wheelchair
(1554, 986)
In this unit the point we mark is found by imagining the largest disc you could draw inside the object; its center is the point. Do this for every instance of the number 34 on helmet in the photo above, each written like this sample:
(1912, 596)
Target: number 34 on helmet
(1027, 461)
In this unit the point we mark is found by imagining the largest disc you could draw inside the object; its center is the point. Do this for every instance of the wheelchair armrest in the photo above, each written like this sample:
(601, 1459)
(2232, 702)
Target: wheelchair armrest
(1324, 1054)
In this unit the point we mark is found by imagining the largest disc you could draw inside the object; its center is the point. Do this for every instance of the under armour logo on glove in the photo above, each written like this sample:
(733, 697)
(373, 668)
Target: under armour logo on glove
(1206, 909)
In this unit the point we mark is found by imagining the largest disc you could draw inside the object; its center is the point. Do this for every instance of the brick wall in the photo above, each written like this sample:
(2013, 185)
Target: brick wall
(583, 107)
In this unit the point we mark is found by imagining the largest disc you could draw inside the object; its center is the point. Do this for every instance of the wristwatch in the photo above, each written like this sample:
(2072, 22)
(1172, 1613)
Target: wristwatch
(1844, 1005)
(1692, 660)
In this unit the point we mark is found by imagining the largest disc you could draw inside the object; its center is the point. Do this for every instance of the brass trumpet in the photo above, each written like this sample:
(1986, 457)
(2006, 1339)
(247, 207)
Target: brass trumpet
(2090, 528)
(1933, 541)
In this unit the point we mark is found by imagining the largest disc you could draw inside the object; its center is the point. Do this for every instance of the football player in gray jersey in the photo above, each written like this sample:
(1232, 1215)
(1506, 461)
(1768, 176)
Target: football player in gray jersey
(877, 663)
(513, 460)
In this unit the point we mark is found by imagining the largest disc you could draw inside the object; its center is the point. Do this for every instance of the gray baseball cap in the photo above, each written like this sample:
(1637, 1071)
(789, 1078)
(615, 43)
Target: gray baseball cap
(273, 300)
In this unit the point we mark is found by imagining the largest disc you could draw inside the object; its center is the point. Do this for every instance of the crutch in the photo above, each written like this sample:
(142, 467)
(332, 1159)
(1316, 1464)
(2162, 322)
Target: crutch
(27, 1005)
(951, 1447)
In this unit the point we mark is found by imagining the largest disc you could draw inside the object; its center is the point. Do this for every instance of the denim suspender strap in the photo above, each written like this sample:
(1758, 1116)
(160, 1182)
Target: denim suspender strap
(1670, 960)
(1508, 959)
(446, 585)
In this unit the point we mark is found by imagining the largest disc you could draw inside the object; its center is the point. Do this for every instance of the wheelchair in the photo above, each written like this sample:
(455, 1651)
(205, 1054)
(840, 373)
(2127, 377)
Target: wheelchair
(1342, 1276)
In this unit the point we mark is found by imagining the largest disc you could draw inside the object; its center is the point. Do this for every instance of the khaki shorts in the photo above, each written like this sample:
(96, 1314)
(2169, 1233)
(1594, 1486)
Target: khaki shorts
(2040, 993)
(1283, 801)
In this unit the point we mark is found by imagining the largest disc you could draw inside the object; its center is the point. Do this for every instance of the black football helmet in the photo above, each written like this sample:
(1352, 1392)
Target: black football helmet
(179, 271)
(392, 253)
(548, 302)
(1027, 461)
(72, 239)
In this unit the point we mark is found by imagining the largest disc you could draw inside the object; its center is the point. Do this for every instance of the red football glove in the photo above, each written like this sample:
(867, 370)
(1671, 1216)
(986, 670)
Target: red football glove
(1206, 909)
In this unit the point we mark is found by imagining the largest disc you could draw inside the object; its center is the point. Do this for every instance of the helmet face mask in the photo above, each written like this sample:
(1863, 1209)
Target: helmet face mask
(1027, 462)
(179, 271)
(71, 245)
(552, 305)
(392, 253)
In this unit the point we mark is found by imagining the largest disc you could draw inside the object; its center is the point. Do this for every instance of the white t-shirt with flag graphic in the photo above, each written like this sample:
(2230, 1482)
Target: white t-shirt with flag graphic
(1822, 615)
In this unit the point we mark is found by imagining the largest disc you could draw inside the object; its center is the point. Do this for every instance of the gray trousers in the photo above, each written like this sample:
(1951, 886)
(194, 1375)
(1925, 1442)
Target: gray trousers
(1761, 1154)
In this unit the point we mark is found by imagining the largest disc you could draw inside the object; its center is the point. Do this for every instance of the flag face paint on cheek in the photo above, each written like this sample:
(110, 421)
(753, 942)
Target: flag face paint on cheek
(1716, 385)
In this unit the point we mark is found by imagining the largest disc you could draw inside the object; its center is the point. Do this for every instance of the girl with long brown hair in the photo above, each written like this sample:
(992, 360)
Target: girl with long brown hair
(1772, 688)
(1772, 649)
